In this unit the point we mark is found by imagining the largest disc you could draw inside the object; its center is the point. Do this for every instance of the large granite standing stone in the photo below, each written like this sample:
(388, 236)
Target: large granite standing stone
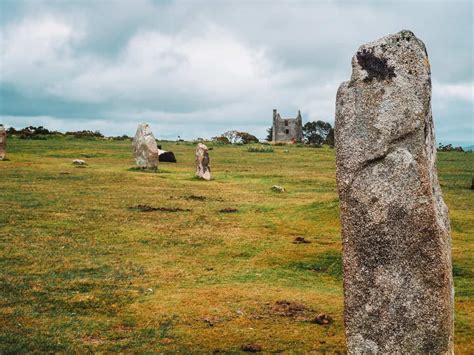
(398, 287)
(145, 150)
(203, 170)
(3, 142)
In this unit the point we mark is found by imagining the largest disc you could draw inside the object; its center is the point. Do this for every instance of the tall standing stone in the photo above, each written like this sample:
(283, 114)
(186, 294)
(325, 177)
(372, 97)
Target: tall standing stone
(3, 142)
(145, 150)
(203, 170)
(398, 288)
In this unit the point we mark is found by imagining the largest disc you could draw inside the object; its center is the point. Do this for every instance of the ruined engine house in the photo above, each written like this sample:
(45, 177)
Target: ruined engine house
(287, 130)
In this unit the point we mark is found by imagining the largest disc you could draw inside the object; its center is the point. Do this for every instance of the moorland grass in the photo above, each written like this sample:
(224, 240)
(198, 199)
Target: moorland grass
(82, 271)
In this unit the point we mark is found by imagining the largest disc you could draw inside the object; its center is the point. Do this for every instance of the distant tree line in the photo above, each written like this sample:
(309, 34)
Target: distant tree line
(235, 137)
(32, 132)
(449, 148)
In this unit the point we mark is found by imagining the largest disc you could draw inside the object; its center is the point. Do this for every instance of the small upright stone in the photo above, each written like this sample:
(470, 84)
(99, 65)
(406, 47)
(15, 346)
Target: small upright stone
(3, 142)
(145, 150)
(398, 287)
(203, 170)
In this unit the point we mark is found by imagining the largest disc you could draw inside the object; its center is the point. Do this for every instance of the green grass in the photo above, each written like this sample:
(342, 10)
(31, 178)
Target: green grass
(82, 271)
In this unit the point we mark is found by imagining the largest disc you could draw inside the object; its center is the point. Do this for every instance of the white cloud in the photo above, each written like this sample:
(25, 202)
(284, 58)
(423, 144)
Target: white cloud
(460, 91)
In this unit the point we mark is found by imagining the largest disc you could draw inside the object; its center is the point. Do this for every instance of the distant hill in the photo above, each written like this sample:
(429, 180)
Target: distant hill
(468, 148)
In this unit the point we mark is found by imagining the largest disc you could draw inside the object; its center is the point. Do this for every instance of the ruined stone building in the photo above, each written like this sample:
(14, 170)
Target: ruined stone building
(287, 130)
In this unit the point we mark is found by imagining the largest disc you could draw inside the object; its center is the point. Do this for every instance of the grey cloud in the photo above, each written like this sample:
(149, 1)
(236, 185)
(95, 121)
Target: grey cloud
(299, 51)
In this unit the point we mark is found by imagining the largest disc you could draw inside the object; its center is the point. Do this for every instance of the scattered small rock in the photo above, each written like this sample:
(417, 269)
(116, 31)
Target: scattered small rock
(251, 348)
(229, 210)
(322, 319)
(277, 188)
(64, 173)
(146, 208)
(209, 321)
(79, 162)
(300, 240)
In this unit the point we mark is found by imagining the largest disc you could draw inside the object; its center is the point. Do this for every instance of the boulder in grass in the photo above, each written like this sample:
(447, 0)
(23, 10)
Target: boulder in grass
(79, 162)
(166, 156)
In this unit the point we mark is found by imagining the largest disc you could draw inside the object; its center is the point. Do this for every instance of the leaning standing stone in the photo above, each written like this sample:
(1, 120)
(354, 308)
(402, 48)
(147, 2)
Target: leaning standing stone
(145, 150)
(203, 170)
(398, 288)
(3, 142)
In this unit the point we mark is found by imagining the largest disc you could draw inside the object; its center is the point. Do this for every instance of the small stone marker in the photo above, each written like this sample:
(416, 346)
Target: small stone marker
(277, 188)
(398, 287)
(203, 170)
(3, 142)
(79, 162)
(145, 150)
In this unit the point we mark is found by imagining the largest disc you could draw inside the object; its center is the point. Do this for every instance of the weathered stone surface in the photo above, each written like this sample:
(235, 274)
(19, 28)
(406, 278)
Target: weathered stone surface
(145, 150)
(3, 142)
(398, 288)
(203, 170)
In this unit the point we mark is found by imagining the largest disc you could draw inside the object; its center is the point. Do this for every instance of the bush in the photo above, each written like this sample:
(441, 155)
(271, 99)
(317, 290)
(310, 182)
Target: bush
(121, 138)
(220, 140)
(31, 132)
(236, 137)
(85, 134)
(260, 149)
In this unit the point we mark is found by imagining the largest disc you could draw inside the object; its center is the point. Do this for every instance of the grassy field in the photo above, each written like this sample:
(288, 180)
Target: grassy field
(81, 269)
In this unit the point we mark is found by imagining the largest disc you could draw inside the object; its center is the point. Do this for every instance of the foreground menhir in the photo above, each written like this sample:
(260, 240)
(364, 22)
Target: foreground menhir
(287, 130)
(398, 288)
(203, 170)
(3, 142)
(145, 150)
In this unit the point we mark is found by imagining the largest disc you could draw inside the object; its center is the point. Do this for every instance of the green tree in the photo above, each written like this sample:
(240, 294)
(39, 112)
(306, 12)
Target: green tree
(330, 138)
(316, 132)
(269, 134)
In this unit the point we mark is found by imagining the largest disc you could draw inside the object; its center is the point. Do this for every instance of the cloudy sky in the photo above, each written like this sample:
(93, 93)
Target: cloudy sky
(198, 68)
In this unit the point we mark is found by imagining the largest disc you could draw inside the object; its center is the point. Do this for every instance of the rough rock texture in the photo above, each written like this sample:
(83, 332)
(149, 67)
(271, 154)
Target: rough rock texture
(203, 170)
(398, 288)
(3, 142)
(166, 156)
(144, 146)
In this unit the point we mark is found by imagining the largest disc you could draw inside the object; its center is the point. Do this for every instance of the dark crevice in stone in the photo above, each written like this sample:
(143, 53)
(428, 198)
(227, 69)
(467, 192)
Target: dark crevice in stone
(376, 68)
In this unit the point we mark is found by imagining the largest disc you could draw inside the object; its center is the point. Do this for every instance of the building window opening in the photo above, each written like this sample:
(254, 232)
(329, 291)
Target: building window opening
(286, 122)
(287, 131)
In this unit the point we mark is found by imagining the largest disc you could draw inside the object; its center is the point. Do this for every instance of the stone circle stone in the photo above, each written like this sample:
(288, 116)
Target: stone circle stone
(398, 287)
(145, 150)
(203, 169)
